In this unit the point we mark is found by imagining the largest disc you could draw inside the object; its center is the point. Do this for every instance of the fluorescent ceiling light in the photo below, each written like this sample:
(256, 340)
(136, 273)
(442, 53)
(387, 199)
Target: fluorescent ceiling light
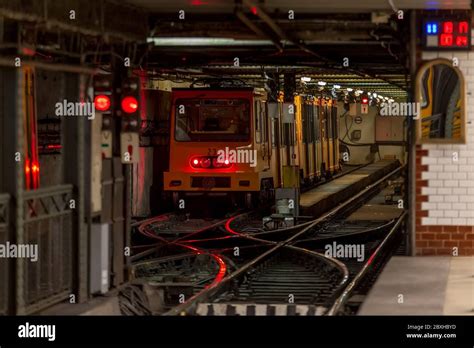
(204, 41)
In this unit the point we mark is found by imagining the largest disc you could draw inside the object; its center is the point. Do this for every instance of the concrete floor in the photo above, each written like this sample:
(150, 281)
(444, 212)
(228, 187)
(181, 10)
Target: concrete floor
(102, 305)
(437, 285)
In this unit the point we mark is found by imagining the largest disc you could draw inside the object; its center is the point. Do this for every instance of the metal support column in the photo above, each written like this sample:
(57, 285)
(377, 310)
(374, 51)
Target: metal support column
(19, 182)
(128, 217)
(74, 129)
(412, 141)
(11, 180)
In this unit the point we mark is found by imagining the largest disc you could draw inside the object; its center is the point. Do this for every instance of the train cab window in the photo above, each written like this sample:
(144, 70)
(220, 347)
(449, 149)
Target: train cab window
(212, 120)
(258, 123)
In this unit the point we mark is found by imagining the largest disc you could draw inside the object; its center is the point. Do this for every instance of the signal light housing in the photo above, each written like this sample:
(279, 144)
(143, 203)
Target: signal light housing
(102, 102)
(364, 99)
(129, 104)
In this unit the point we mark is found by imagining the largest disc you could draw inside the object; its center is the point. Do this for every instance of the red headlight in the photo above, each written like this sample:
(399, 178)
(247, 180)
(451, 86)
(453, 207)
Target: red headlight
(219, 164)
(195, 163)
(208, 162)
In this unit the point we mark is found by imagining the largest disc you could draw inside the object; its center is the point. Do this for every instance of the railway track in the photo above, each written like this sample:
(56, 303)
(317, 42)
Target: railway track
(283, 272)
(226, 297)
(287, 283)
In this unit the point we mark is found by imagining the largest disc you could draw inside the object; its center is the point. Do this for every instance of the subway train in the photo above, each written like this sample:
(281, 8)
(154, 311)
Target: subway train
(234, 142)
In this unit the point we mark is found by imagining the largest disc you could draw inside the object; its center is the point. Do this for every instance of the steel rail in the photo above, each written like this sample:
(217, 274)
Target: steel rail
(212, 290)
(344, 297)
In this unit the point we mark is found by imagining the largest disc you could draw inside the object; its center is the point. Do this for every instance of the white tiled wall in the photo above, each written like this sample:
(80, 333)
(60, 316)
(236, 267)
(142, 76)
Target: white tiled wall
(450, 187)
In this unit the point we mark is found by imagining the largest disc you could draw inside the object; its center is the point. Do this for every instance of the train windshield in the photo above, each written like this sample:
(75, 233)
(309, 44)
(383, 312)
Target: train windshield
(212, 120)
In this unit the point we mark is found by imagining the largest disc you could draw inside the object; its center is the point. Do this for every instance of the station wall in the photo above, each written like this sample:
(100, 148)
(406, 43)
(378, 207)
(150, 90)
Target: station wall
(445, 182)
(374, 129)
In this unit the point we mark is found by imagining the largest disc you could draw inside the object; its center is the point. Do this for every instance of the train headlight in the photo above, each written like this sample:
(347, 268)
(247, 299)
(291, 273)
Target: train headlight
(209, 162)
(216, 163)
(195, 163)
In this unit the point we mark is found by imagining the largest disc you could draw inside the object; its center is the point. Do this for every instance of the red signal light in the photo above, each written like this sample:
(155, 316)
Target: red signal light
(365, 100)
(129, 105)
(102, 102)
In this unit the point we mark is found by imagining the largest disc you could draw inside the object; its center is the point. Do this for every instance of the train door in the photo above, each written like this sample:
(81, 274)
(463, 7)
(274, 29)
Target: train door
(307, 131)
(313, 159)
(317, 142)
(273, 111)
(300, 128)
(288, 136)
(330, 136)
(335, 137)
(324, 137)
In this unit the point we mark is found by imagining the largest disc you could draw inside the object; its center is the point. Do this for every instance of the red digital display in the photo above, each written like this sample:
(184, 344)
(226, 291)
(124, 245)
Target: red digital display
(447, 34)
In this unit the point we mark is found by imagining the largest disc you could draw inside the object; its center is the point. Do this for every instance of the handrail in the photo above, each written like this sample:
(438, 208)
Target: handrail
(48, 191)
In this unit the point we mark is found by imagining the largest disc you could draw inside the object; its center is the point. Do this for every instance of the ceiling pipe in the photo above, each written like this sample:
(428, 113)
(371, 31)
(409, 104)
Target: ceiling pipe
(301, 45)
(252, 26)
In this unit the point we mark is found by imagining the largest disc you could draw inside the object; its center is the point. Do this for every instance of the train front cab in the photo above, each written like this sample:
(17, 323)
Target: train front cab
(208, 123)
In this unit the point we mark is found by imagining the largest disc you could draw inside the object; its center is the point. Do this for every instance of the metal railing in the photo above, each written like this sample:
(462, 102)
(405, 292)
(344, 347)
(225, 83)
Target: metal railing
(48, 223)
(4, 262)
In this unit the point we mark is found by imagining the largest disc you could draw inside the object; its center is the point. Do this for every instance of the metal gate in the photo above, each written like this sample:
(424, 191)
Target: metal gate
(48, 223)
(4, 262)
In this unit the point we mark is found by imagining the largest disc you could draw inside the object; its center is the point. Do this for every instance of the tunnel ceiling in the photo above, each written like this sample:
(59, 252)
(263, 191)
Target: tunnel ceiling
(265, 40)
(308, 6)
